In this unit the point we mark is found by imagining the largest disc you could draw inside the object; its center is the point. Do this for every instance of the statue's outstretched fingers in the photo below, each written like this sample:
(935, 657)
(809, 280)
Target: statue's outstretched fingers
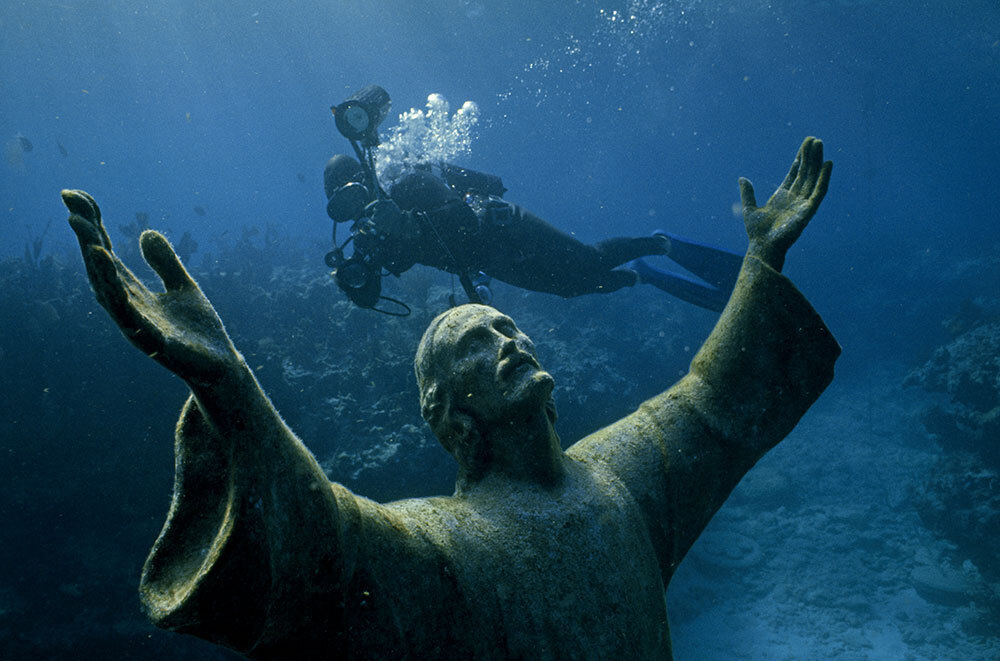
(822, 183)
(87, 233)
(815, 165)
(127, 301)
(82, 204)
(85, 218)
(111, 291)
(747, 196)
(793, 171)
(158, 253)
(801, 166)
(813, 169)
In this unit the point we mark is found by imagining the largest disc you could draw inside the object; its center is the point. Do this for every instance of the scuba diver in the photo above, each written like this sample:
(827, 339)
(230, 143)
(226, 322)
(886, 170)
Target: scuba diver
(456, 220)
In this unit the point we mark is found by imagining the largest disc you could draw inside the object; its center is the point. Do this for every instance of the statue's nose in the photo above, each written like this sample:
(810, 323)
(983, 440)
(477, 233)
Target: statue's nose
(508, 347)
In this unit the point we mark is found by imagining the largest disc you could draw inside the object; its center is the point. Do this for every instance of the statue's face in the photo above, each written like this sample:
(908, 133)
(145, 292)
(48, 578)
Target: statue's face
(489, 366)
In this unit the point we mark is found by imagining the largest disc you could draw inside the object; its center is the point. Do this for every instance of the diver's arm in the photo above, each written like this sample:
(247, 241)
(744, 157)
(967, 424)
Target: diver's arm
(767, 360)
(392, 237)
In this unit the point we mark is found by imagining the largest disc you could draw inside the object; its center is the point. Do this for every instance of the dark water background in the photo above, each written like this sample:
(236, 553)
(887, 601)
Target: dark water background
(602, 117)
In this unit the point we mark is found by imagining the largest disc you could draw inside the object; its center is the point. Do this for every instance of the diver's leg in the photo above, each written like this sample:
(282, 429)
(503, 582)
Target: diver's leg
(523, 250)
(534, 237)
(602, 282)
(682, 287)
(622, 250)
(561, 275)
(715, 266)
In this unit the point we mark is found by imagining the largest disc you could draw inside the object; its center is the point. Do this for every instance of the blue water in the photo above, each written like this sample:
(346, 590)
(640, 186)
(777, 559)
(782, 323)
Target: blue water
(603, 117)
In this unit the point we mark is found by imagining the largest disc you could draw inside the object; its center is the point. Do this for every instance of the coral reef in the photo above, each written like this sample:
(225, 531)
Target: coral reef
(967, 370)
(960, 498)
(948, 587)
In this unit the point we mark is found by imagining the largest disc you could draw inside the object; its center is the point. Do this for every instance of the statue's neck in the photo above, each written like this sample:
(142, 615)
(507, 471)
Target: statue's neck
(523, 450)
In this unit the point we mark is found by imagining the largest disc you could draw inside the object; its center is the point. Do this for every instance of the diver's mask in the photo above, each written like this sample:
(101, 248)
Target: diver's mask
(348, 202)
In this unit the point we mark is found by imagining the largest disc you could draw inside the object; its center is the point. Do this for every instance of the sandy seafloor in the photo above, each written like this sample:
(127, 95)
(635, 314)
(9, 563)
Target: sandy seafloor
(843, 572)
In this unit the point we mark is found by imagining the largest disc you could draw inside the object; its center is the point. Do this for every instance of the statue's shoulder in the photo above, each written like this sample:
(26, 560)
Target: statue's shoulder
(440, 527)
(420, 515)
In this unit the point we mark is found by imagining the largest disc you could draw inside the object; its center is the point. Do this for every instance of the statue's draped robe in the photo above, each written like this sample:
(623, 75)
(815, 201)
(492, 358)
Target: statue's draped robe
(262, 554)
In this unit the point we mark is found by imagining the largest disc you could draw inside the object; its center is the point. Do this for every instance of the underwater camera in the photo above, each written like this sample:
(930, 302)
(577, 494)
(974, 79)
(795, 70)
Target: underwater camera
(358, 117)
(351, 188)
(357, 277)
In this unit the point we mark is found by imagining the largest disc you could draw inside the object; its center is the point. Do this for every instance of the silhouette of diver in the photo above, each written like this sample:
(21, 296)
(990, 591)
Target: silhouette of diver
(463, 230)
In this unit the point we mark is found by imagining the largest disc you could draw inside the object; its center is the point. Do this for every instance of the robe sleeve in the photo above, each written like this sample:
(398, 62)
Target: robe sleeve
(258, 545)
(682, 452)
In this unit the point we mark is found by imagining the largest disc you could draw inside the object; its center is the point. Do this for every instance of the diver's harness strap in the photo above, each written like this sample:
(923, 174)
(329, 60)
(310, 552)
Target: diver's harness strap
(359, 276)
(460, 269)
(482, 193)
(488, 209)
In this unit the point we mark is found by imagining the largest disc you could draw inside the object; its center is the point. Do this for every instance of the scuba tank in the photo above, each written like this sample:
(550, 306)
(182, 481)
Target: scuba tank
(465, 180)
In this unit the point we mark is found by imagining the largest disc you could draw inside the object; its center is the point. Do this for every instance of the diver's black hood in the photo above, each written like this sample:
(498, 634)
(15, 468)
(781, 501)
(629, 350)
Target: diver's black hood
(340, 170)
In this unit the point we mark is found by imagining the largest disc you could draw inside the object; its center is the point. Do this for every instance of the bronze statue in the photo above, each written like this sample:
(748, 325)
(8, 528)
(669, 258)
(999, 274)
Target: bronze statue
(540, 553)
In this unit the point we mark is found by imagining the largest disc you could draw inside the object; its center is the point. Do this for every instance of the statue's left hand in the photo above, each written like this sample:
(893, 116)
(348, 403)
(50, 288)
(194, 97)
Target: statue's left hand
(179, 327)
(774, 227)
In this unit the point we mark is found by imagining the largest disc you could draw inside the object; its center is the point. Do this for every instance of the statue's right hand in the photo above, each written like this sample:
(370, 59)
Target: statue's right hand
(179, 327)
(773, 228)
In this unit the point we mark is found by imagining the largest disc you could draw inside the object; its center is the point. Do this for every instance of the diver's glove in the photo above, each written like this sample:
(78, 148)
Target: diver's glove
(392, 236)
(387, 217)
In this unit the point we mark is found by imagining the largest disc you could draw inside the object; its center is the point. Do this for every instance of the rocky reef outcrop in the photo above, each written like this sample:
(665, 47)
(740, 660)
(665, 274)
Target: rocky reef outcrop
(966, 371)
(960, 498)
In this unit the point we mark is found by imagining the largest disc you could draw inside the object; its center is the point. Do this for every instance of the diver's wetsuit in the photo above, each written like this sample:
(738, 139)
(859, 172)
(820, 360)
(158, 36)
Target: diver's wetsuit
(503, 241)
(479, 233)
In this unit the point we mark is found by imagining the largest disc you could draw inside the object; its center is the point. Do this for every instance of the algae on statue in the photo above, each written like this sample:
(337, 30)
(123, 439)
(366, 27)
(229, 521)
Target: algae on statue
(540, 553)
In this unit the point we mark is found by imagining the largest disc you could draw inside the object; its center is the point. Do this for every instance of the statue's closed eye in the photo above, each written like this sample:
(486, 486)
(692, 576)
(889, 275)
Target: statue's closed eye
(471, 342)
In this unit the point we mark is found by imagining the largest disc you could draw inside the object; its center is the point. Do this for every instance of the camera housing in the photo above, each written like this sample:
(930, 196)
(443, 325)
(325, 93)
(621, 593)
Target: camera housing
(359, 117)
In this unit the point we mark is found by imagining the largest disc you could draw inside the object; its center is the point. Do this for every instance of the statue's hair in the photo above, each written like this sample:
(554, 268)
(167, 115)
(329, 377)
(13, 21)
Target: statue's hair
(455, 429)
(435, 403)
(423, 363)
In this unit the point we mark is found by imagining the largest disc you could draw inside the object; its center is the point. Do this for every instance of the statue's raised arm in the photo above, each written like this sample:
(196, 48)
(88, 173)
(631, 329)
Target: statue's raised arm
(767, 360)
(251, 506)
